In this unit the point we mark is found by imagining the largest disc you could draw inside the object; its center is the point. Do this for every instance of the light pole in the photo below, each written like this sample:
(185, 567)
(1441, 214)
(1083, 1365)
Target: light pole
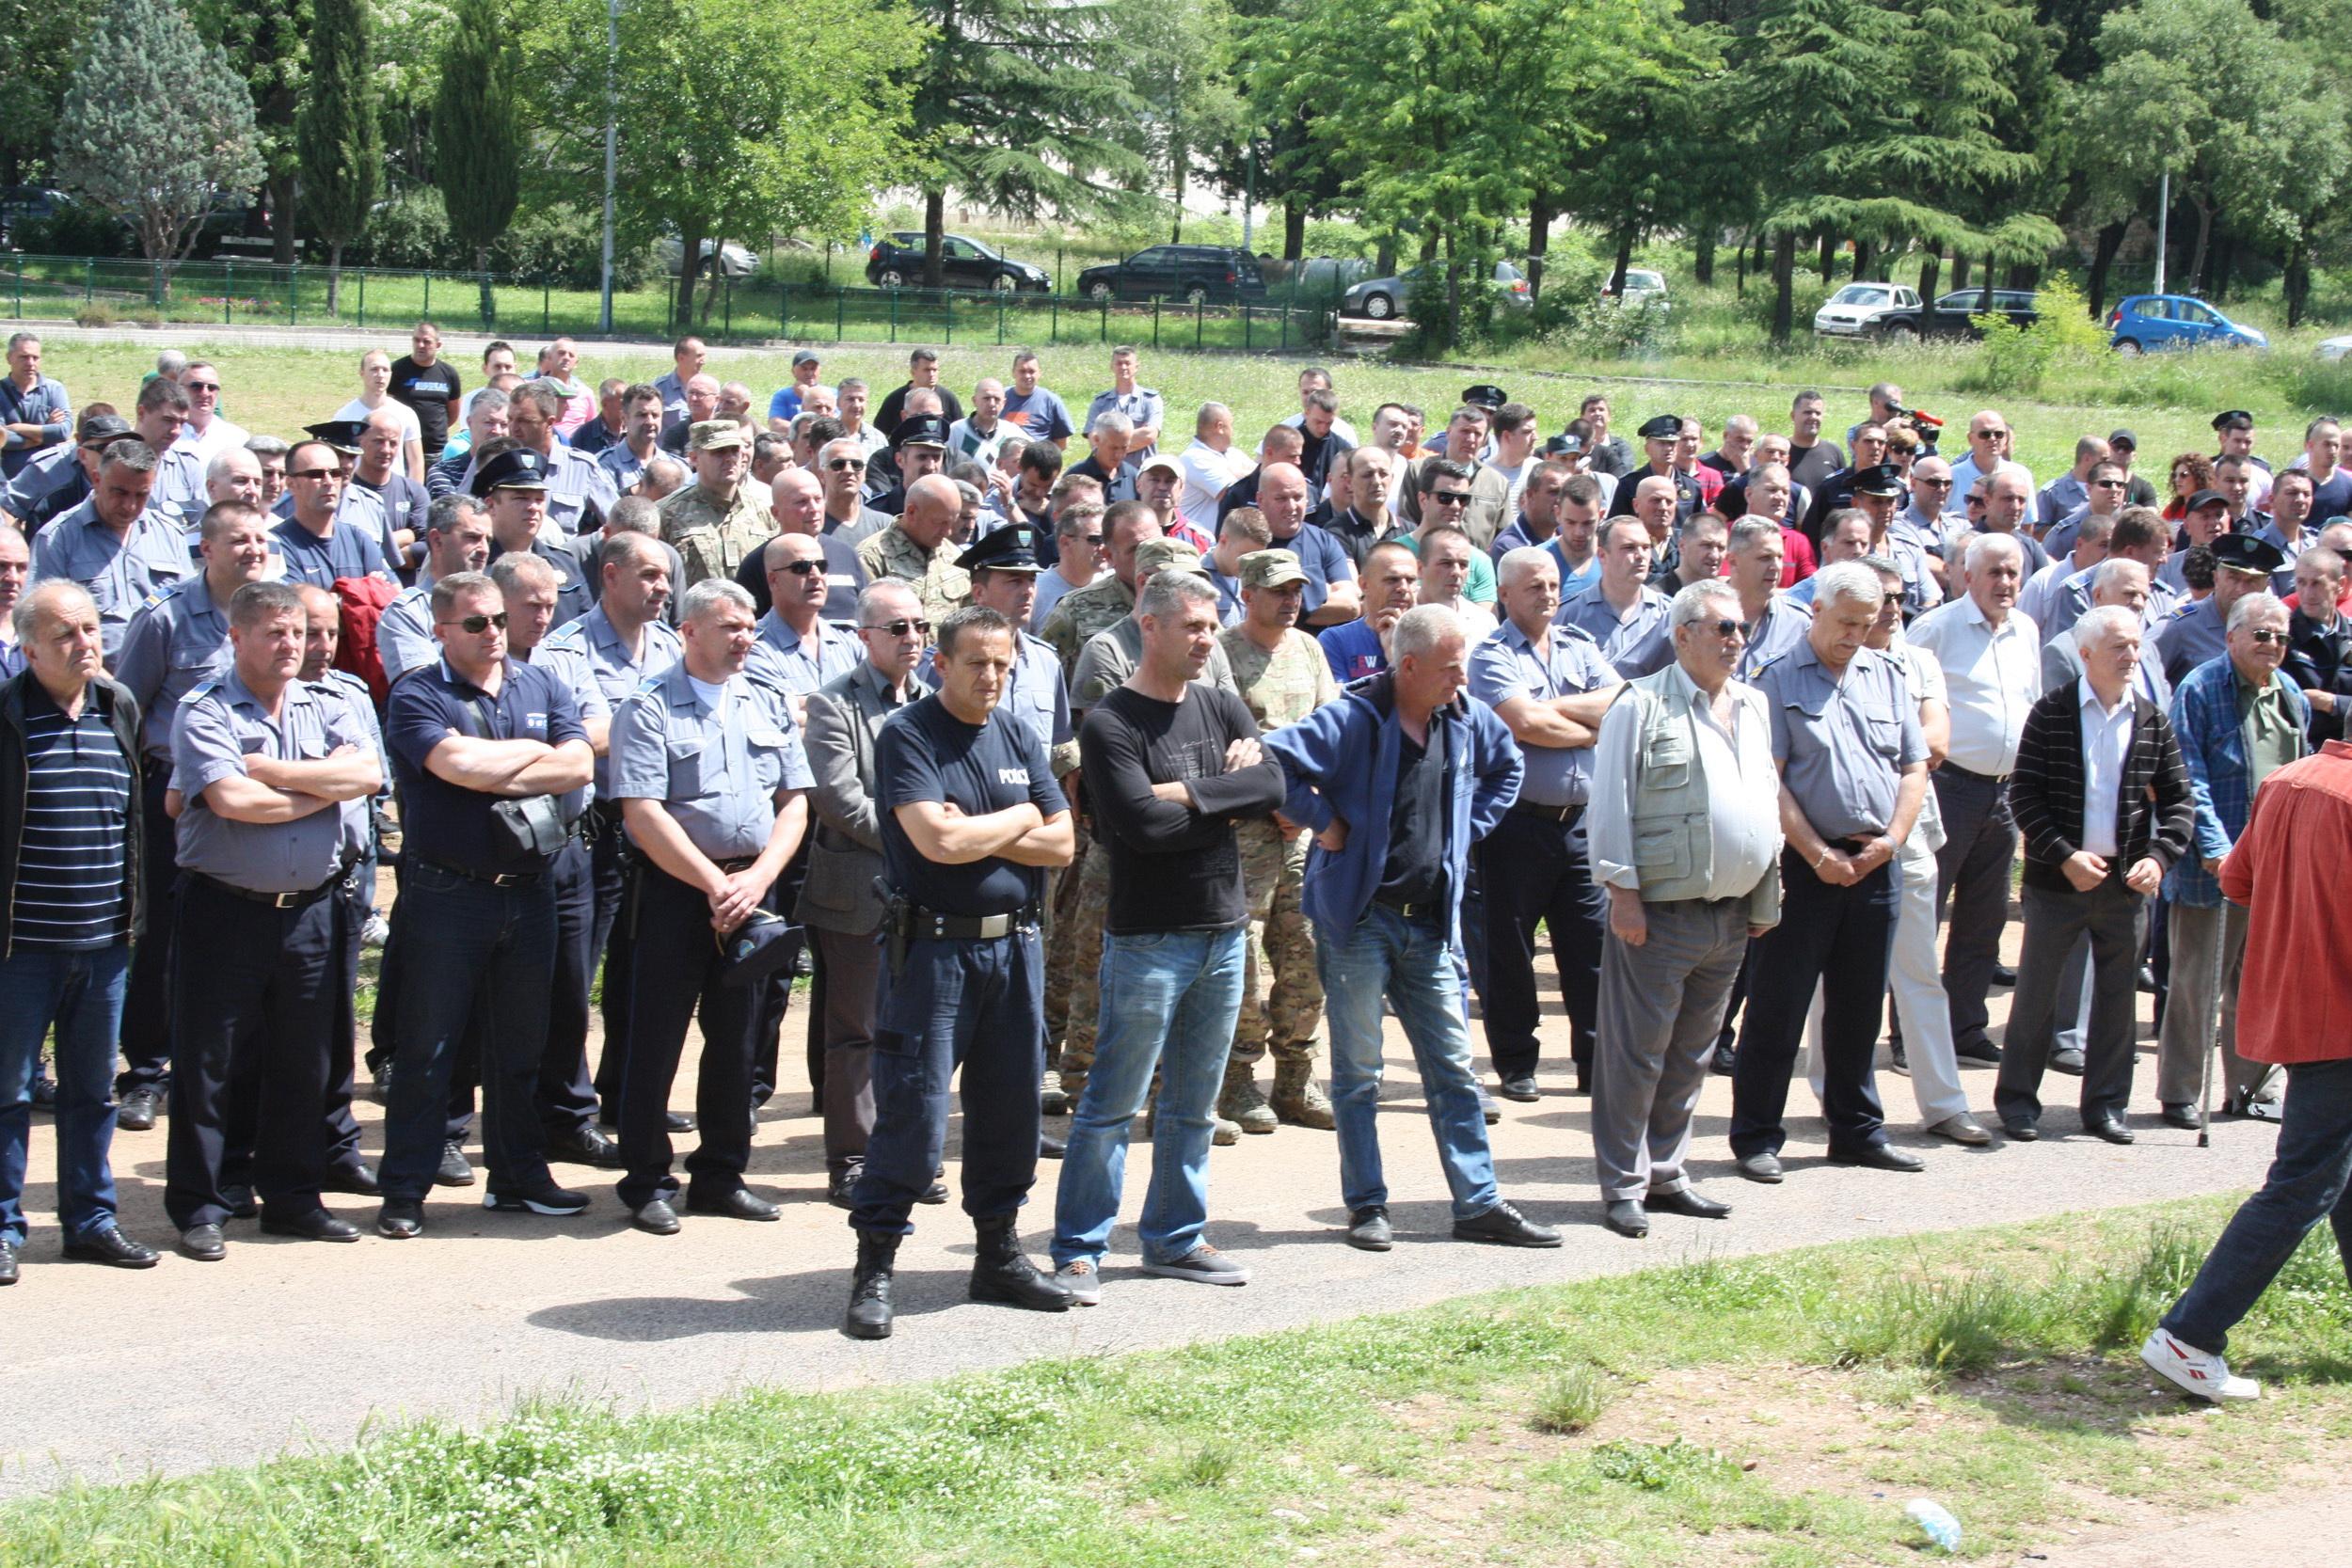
(2163, 216)
(611, 152)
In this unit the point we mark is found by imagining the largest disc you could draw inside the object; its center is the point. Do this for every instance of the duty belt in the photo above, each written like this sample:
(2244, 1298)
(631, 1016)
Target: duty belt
(284, 900)
(916, 922)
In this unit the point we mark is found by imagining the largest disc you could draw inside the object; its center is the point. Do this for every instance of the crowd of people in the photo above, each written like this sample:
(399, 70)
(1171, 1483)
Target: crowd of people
(1080, 784)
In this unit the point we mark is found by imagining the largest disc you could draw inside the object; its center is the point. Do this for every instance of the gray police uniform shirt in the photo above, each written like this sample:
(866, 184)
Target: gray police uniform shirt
(589, 653)
(358, 814)
(716, 767)
(1636, 643)
(221, 723)
(121, 574)
(2192, 634)
(802, 664)
(588, 697)
(177, 639)
(577, 482)
(1842, 744)
(1508, 664)
(1784, 624)
(404, 633)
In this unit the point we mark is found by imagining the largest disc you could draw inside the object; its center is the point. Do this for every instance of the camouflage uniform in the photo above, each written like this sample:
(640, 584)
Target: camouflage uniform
(713, 538)
(941, 585)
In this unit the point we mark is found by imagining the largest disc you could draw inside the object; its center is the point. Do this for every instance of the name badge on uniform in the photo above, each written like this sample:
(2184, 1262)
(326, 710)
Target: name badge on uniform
(1013, 776)
(770, 737)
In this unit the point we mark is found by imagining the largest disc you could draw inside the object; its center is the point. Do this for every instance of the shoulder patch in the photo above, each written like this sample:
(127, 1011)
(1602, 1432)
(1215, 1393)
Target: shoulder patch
(204, 688)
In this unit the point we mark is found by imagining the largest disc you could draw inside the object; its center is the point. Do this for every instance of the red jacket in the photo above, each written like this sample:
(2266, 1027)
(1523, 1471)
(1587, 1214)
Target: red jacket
(2294, 1001)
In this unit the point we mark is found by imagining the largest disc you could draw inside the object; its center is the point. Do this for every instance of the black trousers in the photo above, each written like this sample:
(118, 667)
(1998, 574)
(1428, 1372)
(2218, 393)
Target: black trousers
(1972, 892)
(775, 998)
(567, 1102)
(1532, 869)
(608, 871)
(254, 996)
(1841, 939)
(147, 1011)
(2110, 915)
(674, 965)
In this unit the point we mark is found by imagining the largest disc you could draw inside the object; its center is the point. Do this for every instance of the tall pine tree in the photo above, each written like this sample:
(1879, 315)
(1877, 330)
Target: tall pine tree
(339, 134)
(477, 134)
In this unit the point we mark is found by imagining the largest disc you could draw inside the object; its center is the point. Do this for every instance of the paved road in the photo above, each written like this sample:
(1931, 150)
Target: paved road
(290, 1344)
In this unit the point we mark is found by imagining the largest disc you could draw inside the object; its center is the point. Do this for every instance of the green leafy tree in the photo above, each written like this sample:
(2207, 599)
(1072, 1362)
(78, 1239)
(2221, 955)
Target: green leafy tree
(477, 134)
(768, 120)
(1020, 106)
(339, 132)
(156, 128)
(40, 44)
(1185, 54)
(264, 42)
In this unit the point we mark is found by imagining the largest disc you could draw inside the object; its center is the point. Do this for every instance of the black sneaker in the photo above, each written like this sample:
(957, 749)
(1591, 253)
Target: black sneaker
(44, 1093)
(546, 1200)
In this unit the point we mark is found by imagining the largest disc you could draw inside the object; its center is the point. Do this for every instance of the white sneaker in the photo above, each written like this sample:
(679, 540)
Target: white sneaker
(2196, 1373)
(1083, 1280)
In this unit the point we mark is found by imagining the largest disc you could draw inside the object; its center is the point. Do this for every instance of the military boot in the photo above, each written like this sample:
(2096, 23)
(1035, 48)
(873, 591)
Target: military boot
(1223, 1131)
(1297, 1098)
(1002, 1272)
(1241, 1104)
(869, 1288)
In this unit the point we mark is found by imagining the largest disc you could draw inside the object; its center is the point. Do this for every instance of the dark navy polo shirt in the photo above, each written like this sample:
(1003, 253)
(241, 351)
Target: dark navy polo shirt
(1324, 560)
(443, 822)
(926, 752)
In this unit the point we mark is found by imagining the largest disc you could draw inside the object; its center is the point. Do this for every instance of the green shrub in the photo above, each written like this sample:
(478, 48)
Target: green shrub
(77, 228)
(1572, 1401)
(2063, 336)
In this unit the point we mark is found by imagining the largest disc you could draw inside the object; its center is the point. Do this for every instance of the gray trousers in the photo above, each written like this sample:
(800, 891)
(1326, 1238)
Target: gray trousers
(1972, 893)
(1661, 1004)
(852, 973)
(2188, 1010)
(2108, 916)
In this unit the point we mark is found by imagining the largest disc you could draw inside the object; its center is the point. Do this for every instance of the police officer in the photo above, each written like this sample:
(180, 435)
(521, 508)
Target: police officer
(1854, 773)
(917, 549)
(117, 544)
(707, 764)
(919, 448)
(320, 544)
(719, 520)
(479, 744)
(970, 818)
(1659, 435)
(1004, 567)
(456, 539)
(1620, 610)
(356, 507)
(176, 639)
(2195, 633)
(513, 481)
(618, 646)
(261, 762)
(580, 491)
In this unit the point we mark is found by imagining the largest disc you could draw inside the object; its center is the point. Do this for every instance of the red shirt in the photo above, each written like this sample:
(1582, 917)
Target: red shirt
(2294, 1001)
(1797, 561)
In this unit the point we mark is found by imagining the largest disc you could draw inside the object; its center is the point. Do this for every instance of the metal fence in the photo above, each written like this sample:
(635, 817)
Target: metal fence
(237, 293)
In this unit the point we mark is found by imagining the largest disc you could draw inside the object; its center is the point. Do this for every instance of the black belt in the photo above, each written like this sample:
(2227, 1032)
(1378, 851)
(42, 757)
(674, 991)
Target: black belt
(1951, 767)
(1550, 813)
(1847, 846)
(500, 878)
(932, 926)
(741, 862)
(280, 900)
(1415, 910)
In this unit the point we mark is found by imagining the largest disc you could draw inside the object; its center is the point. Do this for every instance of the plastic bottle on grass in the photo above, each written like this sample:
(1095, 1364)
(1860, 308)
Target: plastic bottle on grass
(1936, 1521)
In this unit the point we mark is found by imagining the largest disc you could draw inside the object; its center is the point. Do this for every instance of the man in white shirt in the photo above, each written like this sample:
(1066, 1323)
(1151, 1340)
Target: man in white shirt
(1990, 656)
(1210, 464)
(206, 434)
(1989, 442)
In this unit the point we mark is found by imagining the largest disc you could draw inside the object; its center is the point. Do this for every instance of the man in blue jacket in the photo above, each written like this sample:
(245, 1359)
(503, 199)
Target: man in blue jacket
(1396, 780)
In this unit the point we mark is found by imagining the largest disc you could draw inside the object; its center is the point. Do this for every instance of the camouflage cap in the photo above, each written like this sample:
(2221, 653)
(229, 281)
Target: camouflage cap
(713, 434)
(1270, 569)
(1166, 555)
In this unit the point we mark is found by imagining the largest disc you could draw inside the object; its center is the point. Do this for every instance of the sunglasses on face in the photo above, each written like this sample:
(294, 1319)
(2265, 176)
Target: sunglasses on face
(1449, 498)
(1976, 500)
(850, 464)
(2266, 636)
(477, 625)
(1728, 628)
(1095, 539)
(1934, 483)
(2106, 485)
(899, 628)
(201, 386)
(315, 473)
(803, 569)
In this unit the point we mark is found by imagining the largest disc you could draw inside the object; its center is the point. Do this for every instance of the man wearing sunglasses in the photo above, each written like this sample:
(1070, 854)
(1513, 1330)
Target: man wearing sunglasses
(2240, 720)
(841, 465)
(2195, 634)
(206, 432)
(2105, 493)
(319, 544)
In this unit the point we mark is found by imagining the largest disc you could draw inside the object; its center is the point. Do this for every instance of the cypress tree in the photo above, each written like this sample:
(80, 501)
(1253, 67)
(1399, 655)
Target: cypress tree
(477, 134)
(338, 134)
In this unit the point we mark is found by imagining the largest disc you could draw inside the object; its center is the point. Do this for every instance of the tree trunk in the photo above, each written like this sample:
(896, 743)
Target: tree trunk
(1755, 251)
(1865, 260)
(2196, 267)
(2297, 283)
(1739, 270)
(1703, 255)
(1829, 257)
(1538, 240)
(1384, 255)
(1293, 230)
(2103, 262)
(1930, 271)
(482, 271)
(1625, 259)
(2218, 267)
(282, 220)
(1178, 161)
(335, 279)
(1784, 285)
(1453, 295)
(1960, 269)
(935, 226)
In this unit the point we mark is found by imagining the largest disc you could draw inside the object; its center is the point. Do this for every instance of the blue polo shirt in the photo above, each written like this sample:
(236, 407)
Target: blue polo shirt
(1507, 664)
(1326, 563)
(1352, 651)
(345, 552)
(444, 823)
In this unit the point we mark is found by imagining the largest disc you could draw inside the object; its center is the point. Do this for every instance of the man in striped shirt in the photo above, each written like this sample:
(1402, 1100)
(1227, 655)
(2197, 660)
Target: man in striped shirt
(69, 905)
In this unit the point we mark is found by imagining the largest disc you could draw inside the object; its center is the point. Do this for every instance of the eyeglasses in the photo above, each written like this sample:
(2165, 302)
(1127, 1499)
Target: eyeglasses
(2106, 484)
(1095, 539)
(200, 385)
(803, 569)
(1944, 483)
(1976, 500)
(477, 625)
(1728, 628)
(850, 464)
(899, 628)
(1889, 601)
(1449, 498)
(315, 473)
(2266, 636)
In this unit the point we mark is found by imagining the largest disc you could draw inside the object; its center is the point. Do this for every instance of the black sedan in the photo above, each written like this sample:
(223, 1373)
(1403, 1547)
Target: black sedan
(897, 263)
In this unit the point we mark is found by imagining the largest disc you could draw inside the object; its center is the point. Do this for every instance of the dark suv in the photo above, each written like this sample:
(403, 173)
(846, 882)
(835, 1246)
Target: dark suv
(1196, 273)
(897, 263)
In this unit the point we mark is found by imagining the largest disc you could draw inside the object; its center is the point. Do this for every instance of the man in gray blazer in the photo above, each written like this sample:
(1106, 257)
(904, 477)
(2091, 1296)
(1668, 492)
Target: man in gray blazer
(838, 900)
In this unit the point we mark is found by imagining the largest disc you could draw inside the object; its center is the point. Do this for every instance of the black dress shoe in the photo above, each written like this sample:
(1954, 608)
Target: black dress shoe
(1520, 1086)
(935, 1193)
(2111, 1128)
(2020, 1132)
(357, 1178)
(1761, 1168)
(1504, 1226)
(837, 1188)
(8, 1263)
(1368, 1229)
(1899, 1059)
(2004, 976)
(673, 1122)
(399, 1218)
(1881, 1157)
(203, 1243)
(737, 1204)
(138, 1111)
(656, 1218)
(239, 1201)
(585, 1146)
(1981, 1051)
(1689, 1204)
(1725, 1061)
(316, 1226)
(2182, 1117)
(1627, 1218)
(453, 1171)
(2068, 1062)
(112, 1247)
(1048, 1147)
(1584, 1080)
(2146, 978)
(44, 1094)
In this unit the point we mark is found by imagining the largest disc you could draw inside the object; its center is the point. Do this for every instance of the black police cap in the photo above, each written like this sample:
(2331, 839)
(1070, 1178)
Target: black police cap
(519, 470)
(1661, 427)
(1879, 478)
(921, 430)
(343, 434)
(2243, 552)
(1484, 395)
(1012, 548)
(2232, 419)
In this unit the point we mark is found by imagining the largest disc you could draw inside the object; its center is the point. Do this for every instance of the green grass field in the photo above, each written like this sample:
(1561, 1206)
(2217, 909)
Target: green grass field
(1774, 1411)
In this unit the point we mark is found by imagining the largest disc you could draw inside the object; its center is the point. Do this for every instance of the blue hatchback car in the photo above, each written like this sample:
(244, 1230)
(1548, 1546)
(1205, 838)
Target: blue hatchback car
(2145, 321)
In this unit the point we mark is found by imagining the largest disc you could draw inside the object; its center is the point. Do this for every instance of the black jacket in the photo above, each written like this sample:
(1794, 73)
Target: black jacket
(2152, 814)
(2320, 660)
(122, 711)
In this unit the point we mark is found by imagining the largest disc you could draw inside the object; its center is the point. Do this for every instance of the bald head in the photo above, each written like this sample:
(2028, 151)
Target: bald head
(932, 504)
(797, 502)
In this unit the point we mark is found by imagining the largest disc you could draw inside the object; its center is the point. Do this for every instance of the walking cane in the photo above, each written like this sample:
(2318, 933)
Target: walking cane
(2213, 1039)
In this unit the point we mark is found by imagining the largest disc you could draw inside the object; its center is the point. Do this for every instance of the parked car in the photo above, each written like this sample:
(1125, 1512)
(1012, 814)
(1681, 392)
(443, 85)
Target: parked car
(23, 204)
(2334, 348)
(1870, 310)
(1954, 314)
(734, 261)
(1641, 287)
(1384, 298)
(1196, 273)
(897, 263)
(2144, 323)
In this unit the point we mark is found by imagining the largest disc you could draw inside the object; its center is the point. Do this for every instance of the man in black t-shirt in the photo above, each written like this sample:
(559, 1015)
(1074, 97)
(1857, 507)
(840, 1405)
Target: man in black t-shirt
(428, 387)
(1168, 766)
(969, 817)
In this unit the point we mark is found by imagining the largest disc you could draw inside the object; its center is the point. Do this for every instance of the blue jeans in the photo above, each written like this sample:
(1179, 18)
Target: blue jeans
(1169, 1000)
(81, 994)
(1407, 962)
(2306, 1184)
